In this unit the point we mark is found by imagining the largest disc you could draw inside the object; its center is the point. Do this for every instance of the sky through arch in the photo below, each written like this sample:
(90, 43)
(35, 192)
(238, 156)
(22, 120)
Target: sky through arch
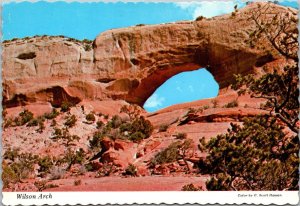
(183, 87)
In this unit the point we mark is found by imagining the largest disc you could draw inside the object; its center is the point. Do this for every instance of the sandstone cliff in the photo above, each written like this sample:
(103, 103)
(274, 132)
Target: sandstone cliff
(128, 63)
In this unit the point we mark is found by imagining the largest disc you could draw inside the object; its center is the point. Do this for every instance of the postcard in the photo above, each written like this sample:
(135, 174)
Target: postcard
(150, 102)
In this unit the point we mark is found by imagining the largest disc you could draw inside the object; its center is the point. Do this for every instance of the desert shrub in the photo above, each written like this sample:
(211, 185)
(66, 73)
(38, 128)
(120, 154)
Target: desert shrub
(256, 156)
(95, 142)
(8, 122)
(52, 115)
(168, 155)
(11, 154)
(72, 157)
(77, 182)
(199, 18)
(90, 117)
(9, 175)
(140, 125)
(65, 106)
(215, 103)
(181, 136)
(175, 151)
(23, 118)
(32, 123)
(163, 127)
(71, 121)
(92, 166)
(41, 125)
(137, 137)
(53, 123)
(131, 170)
(42, 185)
(99, 124)
(87, 47)
(45, 164)
(56, 173)
(191, 187)
(19, 169)
(115, 121)
(105, 116)
(231, 104)
(205, 107)
(64, 135)
(106, 170)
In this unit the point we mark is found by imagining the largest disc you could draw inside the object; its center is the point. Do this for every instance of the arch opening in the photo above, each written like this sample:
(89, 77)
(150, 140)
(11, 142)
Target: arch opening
(181, 88)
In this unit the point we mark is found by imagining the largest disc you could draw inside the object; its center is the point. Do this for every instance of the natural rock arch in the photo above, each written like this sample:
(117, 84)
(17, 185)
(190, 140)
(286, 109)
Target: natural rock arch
(131, 63)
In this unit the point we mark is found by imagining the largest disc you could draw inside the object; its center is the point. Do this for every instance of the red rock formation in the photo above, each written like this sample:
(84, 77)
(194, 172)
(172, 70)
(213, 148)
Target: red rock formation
(128, 63)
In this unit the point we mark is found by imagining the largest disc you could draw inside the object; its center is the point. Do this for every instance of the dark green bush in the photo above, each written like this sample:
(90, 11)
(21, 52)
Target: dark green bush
(99, 124)
(168, 155)
(181, 136)
(163, 128)
(24, 117)
(53, 114)
(45, 164)
(71, 121)
(131, 170)
(231, 104)
(66, 106)
(96, 140)
(257, 156)
(191, 187)
(137, 137)
(90, 117)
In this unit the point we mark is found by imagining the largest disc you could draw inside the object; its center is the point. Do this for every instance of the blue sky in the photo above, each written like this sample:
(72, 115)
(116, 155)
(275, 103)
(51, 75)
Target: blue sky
(89, 19)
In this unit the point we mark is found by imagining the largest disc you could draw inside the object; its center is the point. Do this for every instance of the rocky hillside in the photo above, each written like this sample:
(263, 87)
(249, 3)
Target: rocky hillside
(76, 104)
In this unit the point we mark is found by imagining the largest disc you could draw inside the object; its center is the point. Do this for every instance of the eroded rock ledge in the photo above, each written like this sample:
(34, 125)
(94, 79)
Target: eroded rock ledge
(128, 63)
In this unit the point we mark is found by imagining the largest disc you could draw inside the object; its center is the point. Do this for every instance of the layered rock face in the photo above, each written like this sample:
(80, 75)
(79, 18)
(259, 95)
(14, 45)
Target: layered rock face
(129, 63)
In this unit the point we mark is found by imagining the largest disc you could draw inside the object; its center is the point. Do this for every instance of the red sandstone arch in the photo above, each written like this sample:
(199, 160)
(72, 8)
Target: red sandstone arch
(131, 63)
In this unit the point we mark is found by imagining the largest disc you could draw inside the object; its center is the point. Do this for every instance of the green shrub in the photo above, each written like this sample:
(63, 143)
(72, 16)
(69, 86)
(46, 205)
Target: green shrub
(77, 182)
(181, 136)
(9, 175)
(92, 166)
(168, 155)
(131, 170)
(99, 124)
(137, 137)
(205, 107)
(66, 106)
(42, 185)
(71, 121)
(53, 123)
(256, 156)
(163, 128)
(72, 157)
(19, 169)
(87, 47)
(139, 124)
(115, 122)
(231, 104)
(32, 123)
(215, 103)
(96, 140)
(65, 136)
(53, 114)
(24, 117)
(199, 18)
(45, 164)
(191, 187)
(90, 117)
(11, 154)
